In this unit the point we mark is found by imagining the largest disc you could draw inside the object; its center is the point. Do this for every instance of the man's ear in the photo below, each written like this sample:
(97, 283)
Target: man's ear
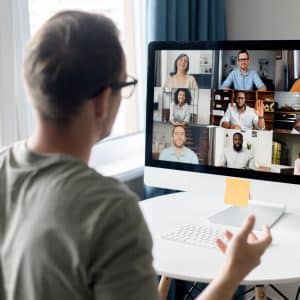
(102, 104)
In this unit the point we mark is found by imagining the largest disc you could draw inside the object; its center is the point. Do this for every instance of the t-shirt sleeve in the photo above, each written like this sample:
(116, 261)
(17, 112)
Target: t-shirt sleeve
(124, 269)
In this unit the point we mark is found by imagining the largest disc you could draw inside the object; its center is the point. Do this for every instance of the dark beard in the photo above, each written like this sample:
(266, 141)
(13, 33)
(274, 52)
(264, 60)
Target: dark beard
(237, 148)
(241, 107)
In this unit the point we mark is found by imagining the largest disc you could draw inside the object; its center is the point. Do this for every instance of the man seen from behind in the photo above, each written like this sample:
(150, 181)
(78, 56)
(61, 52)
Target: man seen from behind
(67, 232)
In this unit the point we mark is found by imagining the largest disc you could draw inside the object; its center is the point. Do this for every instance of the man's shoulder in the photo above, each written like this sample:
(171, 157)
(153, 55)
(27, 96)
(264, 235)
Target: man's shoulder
(235, 72)
(228, 150)
(167, 151)
(4, 150)
(189, 152)
(7, 151)
(249, 109)
(246, 151)
(64, 176)
(86, 183)
(252, 71)
(231, 107)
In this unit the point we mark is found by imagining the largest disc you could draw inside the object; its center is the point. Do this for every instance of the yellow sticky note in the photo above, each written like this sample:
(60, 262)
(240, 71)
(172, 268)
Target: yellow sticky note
(237, 192)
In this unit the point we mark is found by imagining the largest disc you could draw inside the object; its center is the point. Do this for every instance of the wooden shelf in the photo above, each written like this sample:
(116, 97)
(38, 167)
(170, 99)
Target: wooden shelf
(285, 131)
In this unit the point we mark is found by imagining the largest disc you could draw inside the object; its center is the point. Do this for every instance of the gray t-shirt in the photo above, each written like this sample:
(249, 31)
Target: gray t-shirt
(2, 293)
(66, 232)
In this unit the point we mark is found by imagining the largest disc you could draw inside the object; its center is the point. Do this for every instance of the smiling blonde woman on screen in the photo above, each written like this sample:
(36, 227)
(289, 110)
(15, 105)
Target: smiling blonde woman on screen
(179, 78)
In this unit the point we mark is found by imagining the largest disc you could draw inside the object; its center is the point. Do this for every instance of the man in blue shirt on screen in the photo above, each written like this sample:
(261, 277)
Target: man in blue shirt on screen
(243, 78)
(178, 152)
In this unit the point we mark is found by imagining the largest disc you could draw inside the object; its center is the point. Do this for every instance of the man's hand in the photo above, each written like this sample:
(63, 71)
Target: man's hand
(259, 108)
(244, 250)
(243, 253)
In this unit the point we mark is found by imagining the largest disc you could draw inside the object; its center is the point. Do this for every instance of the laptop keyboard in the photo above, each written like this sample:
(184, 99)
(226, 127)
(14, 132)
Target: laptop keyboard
(196, 234)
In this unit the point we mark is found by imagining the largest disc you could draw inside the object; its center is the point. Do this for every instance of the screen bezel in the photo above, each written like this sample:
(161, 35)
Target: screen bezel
(208, 45)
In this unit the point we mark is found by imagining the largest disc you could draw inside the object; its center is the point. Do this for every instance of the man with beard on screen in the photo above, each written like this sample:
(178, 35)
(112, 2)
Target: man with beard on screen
(237, 156)
(240, 116)
(179, 152)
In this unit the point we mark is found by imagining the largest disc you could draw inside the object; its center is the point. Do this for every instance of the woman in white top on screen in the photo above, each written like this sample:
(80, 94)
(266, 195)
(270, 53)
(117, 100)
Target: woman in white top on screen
(180, 108)
(179, 78)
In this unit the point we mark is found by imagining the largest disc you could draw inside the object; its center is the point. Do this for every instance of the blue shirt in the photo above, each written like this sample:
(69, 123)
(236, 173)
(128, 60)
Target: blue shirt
(187, 155)
(243, 81)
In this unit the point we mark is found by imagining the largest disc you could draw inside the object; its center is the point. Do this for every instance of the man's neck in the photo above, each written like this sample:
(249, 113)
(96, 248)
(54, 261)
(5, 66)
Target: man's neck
(244, 71)
(238, 150)
(178, 150)
(51, 139)
(242, 109)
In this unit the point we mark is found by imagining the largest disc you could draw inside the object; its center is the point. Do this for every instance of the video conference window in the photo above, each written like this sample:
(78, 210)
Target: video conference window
(235, 109)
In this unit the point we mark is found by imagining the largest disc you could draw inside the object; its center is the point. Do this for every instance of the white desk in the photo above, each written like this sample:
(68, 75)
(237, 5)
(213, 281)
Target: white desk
(280, 263)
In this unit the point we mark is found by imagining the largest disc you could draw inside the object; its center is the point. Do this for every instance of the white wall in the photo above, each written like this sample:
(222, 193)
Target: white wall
(258, 20)
(263, 19)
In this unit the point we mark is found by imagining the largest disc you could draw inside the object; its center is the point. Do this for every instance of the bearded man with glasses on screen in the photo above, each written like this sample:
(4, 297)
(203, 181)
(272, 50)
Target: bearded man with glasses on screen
(240, 116)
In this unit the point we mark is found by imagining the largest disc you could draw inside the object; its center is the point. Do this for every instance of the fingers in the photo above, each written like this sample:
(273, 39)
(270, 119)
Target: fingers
(260, 103)
(268, 236)
(252, 237)
(221, 245)
(266, 240)
(228, 235)
(249, 237)
(247, 227)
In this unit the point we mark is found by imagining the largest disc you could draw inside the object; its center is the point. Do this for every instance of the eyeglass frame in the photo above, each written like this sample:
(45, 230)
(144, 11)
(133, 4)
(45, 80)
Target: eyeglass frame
(243, 59)
(117, 86)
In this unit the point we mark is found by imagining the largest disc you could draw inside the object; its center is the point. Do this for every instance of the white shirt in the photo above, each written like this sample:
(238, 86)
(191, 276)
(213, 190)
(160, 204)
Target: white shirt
(239, 160)
(180, 113)
(246, 120)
